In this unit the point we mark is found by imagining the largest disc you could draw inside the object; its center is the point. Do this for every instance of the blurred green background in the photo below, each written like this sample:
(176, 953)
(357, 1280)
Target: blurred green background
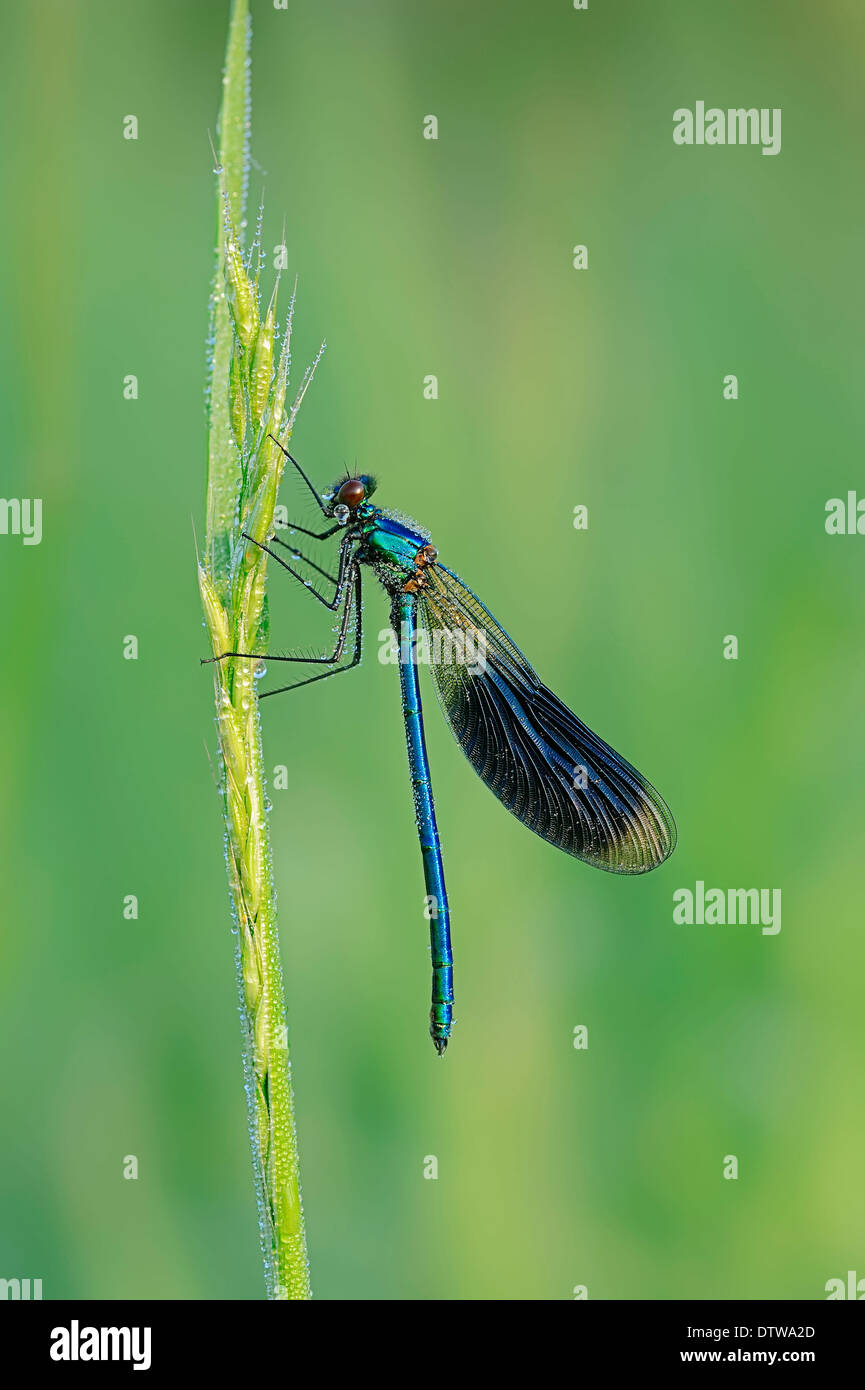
(556, 387)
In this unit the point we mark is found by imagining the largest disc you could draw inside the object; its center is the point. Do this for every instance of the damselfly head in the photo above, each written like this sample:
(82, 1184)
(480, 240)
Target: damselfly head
(351, 493)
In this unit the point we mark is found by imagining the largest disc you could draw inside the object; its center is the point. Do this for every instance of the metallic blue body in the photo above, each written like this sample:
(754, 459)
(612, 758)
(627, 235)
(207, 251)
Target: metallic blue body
(543, 764)
(404, 619)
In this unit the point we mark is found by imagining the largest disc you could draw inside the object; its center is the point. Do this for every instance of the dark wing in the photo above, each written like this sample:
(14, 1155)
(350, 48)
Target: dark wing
(539, 759)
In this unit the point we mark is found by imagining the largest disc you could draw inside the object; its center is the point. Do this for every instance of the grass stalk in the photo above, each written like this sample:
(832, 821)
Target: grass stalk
(248, 379)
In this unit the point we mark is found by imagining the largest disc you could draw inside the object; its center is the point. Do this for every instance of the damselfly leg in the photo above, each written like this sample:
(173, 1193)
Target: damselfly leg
(299, 555)
(345, 559)
(348, 583)
(353, 601)
(316, 535)
(322, 508)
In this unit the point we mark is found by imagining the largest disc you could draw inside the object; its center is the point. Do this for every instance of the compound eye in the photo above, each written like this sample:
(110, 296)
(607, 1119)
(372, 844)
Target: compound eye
(351, 493)
(341, 513)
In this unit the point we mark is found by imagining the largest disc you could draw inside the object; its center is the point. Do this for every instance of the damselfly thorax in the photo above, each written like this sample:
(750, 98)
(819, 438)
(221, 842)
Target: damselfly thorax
(397, 552)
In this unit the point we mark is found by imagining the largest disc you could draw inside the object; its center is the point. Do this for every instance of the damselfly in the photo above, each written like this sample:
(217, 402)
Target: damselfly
(538, 758)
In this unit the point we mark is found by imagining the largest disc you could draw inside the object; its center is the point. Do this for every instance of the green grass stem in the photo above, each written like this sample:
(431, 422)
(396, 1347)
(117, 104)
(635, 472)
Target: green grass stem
(248, 379)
